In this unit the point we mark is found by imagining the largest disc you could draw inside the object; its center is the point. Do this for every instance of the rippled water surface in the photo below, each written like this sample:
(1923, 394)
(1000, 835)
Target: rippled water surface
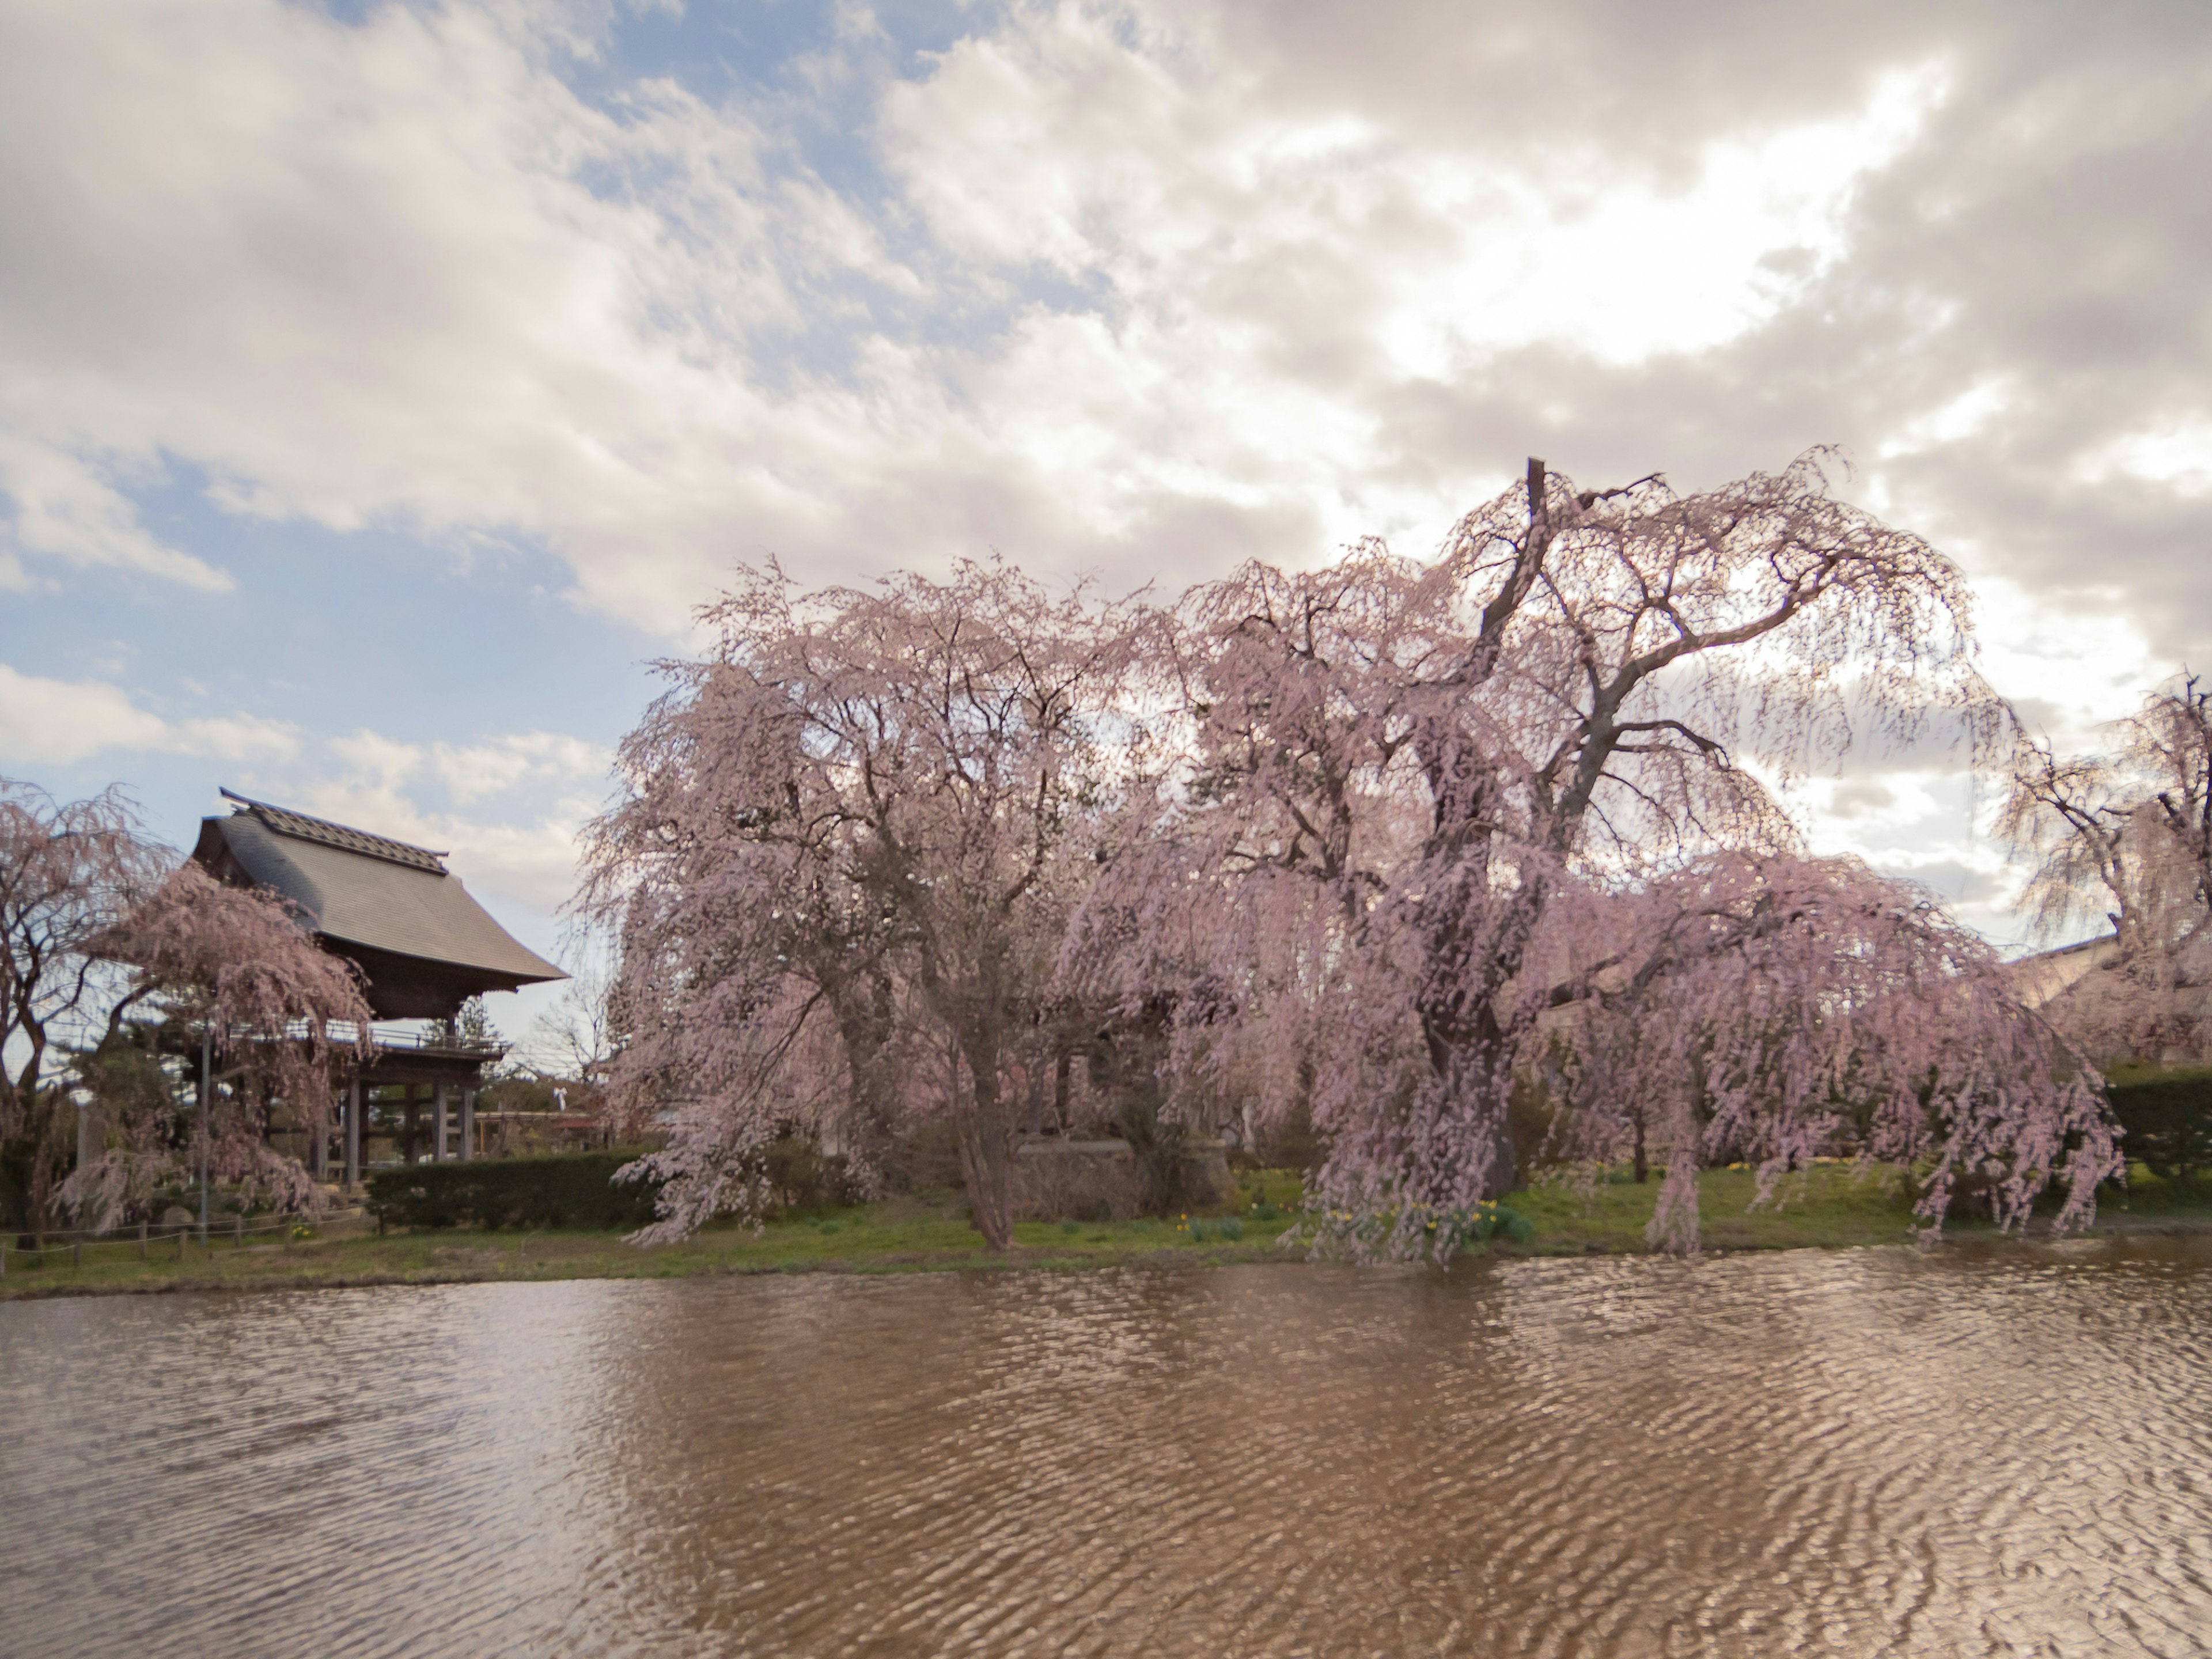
(1868, 1452)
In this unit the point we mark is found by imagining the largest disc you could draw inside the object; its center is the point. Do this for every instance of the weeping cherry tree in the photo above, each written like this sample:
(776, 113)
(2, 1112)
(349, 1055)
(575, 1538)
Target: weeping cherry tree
(1448, 826)
(2124, 835)
(839, 865)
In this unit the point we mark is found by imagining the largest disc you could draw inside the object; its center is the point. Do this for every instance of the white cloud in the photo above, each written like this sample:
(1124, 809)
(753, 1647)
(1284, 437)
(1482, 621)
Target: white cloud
(515, 803)
(1064, 144)
(2070, 662)
(1137, 289)
(62, 508)
(1269, 285)
(399, 273)
(48, 721)
(1963, 417)
(2177, 454)
(392, 273)
(1878, 802)
(473, 771)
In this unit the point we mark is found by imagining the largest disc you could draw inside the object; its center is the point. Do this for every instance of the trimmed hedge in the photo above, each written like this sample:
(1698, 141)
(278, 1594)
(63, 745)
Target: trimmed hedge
(572, 1190)
(578, 1189)
(2167, 1118)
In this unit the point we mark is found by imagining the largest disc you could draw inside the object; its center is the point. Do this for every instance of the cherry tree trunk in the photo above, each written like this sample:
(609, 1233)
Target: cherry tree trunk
(1470, 1127)
(864, 1022)
(1462, 1146)
(986, 1166)
(986, 1134)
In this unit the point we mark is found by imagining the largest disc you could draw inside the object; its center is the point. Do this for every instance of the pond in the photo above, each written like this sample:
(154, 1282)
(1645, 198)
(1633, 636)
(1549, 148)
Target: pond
(1869, 1452)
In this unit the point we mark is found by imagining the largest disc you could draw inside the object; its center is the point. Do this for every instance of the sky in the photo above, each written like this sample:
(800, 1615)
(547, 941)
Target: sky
(383, 386)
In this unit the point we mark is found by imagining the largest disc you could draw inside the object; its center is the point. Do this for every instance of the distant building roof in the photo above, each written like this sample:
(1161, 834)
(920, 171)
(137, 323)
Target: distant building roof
(2049, 974)
(394, 909)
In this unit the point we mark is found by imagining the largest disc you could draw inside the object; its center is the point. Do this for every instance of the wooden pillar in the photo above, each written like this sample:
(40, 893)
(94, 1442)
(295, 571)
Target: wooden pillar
(438, 1128)
(412, 1132)
(319, 1150)
(355, 1097)
(468, 1123)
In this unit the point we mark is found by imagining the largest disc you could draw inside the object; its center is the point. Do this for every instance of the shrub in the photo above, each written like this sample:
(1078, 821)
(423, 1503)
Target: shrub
(2167, 1117)
(1054, 1182)
(575, 1189)
(803, 1178)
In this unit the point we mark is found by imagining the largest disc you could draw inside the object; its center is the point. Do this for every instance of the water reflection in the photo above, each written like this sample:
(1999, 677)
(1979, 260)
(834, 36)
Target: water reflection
(1868, 1452)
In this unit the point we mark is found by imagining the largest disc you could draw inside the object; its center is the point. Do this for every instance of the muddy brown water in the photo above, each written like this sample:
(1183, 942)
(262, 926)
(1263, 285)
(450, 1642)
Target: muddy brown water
(1868, 1452)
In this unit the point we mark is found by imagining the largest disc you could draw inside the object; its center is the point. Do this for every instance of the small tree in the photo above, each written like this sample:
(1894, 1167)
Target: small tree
(234, 967)
(103, 939)
(69, 874)
(846, 848)
(470, 1026)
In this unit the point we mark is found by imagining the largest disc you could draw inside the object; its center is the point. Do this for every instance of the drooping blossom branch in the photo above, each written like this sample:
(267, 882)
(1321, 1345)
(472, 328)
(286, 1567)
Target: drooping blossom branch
(1776, 1009)
(1381, 842)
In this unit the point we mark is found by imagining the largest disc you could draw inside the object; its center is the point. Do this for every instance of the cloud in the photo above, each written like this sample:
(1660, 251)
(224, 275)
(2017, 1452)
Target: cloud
(62, 508)
(1062, 142)
(2178, 455)
(1862, 798)
(1956, 881)
(513, 804)
(1127, 288)
(507, 808)
(474, 771)
(48, 721)
(395, 274)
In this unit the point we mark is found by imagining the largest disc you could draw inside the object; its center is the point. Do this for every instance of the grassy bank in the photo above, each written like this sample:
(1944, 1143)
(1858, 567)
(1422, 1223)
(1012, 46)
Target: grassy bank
(1831, 1206)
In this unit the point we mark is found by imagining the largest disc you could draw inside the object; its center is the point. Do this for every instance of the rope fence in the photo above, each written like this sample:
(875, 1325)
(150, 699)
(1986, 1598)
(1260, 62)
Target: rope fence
(111, 1246)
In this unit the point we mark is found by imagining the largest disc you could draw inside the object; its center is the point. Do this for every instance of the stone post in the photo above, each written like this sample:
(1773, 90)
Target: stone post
(89, 1134)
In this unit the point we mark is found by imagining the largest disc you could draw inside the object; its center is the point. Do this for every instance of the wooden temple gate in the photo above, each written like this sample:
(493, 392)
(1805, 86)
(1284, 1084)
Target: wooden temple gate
(437, 1082)
(423, 945)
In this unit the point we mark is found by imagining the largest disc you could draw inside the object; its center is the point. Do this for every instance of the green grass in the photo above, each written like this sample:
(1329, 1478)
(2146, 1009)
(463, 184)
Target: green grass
(2149, 1203)
(899, 1236)
(1831, 1206)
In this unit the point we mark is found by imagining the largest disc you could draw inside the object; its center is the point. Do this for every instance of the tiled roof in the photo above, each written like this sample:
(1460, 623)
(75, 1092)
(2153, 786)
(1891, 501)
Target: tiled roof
(300, 827)
(359, 889)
